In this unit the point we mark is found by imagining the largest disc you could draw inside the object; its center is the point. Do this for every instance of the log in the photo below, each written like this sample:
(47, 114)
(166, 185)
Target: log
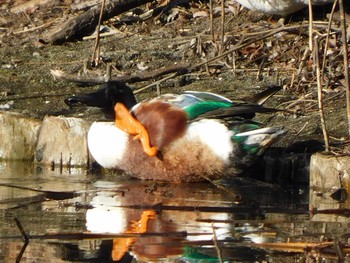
(85, 23)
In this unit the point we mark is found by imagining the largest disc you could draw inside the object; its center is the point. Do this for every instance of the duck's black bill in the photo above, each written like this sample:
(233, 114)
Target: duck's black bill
(94, 99)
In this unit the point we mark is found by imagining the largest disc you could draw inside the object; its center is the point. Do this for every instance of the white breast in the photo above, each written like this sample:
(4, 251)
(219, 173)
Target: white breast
(107, 143)
(214, 134)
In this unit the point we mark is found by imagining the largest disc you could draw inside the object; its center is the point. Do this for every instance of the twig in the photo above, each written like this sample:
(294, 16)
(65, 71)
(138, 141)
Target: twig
(35, 28)
(327, 38)
(222, 24)
(155, 84)
(142, 76)
(294, 138)
(329, 98)
(311, 21)
(260, 69)
(216, 243)
(107, 34)
(319, 95)
(247, 43)
(211, 19)
(345, 57)
(303, 60)
(338, 250)
(96, 54)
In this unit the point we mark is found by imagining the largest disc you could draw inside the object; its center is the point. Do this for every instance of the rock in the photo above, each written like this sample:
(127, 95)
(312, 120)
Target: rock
(329, 187)
(62, 141)
(18, 136)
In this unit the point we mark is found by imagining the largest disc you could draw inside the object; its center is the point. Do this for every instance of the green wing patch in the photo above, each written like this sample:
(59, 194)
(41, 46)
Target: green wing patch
(202, 107)
(240, 140)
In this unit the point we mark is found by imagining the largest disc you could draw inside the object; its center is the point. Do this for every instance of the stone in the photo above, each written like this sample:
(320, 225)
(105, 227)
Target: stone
(62, 142)
(18, 136)
(329, 187)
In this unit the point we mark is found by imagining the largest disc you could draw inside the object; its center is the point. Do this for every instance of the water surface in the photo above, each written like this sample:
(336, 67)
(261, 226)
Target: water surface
(71, 215)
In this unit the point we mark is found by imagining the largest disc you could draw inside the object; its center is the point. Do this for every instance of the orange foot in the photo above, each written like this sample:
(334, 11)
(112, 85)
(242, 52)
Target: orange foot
(121, 245)
(126, 122)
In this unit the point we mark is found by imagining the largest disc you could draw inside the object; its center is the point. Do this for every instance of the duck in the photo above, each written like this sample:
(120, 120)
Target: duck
(279, 7)
(192, 136)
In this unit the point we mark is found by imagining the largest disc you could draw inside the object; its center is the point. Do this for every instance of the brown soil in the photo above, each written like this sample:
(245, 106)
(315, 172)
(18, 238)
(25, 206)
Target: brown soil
(26, 84)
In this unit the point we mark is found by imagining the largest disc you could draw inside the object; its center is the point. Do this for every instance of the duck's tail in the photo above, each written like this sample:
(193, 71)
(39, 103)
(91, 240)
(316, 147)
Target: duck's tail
(263, 96)
(256, 141)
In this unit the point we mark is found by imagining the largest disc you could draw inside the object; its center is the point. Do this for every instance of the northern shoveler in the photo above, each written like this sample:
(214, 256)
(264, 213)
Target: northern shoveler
(187, 137)
(279, 7)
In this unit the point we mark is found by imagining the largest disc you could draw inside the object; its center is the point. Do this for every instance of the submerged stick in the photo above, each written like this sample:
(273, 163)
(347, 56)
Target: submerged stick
(25, 238)
(216, 243)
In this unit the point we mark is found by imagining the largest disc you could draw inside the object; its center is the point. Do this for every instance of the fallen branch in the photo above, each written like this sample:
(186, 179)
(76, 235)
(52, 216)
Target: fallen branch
(85, 23)
(140, 76)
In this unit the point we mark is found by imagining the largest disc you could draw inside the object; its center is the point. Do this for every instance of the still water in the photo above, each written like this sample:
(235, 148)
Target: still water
(61, 215)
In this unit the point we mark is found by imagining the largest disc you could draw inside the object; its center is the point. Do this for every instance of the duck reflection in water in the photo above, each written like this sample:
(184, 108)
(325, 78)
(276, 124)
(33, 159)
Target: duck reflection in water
(155, 236)
(149, 247)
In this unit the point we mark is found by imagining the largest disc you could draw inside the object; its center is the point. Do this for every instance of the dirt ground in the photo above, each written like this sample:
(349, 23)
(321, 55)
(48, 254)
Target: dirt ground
(271, 50)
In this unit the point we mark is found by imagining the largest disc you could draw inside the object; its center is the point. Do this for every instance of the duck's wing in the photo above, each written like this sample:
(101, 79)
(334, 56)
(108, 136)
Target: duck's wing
(243, 110)
(207, 96)
(195, 103)
(215, 106)
(259, 98)
(198, 104)
(179, 100)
